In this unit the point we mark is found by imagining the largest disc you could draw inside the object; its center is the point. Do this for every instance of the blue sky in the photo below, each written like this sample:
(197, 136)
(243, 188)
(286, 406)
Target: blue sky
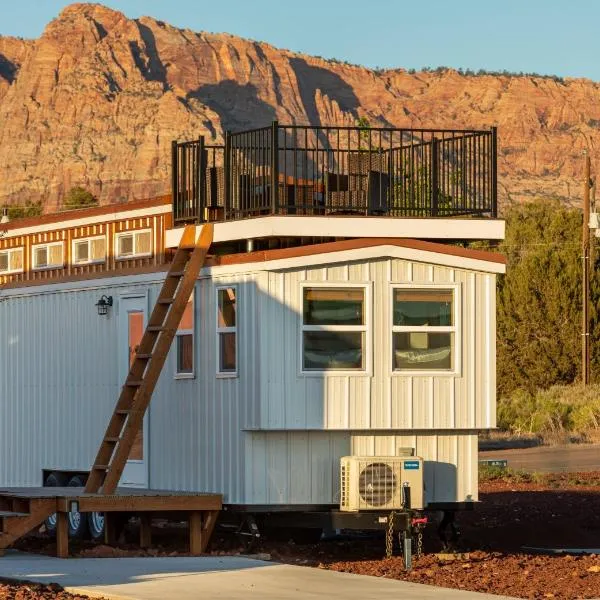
(560, 37)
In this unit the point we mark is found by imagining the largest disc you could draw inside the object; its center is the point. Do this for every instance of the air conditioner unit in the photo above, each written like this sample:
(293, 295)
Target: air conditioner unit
(381, 482)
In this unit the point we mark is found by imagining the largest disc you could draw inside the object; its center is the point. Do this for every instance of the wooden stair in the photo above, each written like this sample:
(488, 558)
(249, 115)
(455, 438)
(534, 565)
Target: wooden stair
(18, 516)
(147, 365)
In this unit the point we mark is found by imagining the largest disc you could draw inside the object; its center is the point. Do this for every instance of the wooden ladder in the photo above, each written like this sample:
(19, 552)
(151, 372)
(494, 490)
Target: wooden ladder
(150, 357)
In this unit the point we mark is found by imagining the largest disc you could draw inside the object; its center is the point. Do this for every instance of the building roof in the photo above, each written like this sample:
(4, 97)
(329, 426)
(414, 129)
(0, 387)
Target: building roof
(355, 244)
(88, 215)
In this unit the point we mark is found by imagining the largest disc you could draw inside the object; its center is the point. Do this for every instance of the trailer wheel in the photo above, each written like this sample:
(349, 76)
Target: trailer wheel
(53, 480)
(78, 528)
(299, 535)
(95, 521)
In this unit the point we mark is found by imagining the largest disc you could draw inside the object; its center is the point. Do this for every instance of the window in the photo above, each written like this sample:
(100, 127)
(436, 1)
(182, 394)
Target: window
(184, 342)
(48, 256)
(424, 329)
(226, 331)
(333, 328)
(11, 261)
(89, 250)
(134, 244)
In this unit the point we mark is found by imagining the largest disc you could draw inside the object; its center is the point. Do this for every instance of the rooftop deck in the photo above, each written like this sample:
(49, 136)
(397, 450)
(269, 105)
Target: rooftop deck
(329, 171)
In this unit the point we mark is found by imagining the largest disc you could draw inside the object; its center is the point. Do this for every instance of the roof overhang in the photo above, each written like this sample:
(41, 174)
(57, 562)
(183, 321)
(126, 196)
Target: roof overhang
(351, 227)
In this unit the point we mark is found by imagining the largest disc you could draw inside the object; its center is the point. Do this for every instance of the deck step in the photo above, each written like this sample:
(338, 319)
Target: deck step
(166, 301)
(122, 411)
(155, 328)
(7, 514)
(135, 383)
(144, 356)
(177, 274)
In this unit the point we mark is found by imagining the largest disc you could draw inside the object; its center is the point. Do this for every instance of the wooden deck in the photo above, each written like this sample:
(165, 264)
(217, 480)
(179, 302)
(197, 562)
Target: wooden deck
(22, 509)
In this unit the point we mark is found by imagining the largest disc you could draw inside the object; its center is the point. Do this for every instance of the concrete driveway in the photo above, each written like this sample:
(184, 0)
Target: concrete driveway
(224, 577)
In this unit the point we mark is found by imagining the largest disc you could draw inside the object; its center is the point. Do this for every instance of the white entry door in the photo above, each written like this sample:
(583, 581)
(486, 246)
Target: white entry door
(132, 321)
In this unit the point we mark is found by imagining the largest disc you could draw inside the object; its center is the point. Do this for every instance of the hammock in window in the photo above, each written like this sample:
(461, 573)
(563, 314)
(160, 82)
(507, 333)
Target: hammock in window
(316, 359)
(426, 355)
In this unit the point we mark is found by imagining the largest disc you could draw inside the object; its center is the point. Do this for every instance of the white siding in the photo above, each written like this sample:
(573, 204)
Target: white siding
(377, 400)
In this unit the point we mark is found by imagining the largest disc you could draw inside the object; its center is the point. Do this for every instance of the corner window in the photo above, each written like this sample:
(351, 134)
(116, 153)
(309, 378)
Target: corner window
(333, 328)
(184, 341)
(424, 329)
(11, 261)
(89, 250)
(133, 244)
(226, 331)
(48, 256)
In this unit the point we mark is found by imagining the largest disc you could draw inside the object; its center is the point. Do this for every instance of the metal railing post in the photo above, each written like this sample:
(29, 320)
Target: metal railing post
(227, 174)
(174, 180)
(434, 176)
(201, 175)
(274, 166)
(494, 172)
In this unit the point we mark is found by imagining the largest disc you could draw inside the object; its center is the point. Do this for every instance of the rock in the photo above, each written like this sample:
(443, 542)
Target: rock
(594, 569)
(97, 99)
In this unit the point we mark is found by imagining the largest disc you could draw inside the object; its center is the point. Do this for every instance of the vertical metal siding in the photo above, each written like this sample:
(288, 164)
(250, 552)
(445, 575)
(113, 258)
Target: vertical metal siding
(379, 400)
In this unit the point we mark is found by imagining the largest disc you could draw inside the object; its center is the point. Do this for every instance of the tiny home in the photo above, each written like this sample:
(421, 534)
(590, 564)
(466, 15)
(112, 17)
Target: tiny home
(329, 321)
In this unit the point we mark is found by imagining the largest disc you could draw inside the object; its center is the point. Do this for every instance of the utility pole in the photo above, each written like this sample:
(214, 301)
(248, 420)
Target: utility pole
(585, 336)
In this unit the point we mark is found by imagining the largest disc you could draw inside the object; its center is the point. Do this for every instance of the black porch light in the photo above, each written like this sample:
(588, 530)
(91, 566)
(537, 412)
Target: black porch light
(103, 304)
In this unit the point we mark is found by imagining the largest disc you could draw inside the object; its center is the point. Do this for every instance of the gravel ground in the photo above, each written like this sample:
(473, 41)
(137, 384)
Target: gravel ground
(560, 511)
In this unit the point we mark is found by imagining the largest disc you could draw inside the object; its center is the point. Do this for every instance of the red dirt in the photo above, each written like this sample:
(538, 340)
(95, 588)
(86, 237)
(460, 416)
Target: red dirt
(34, 591)
(562, 511)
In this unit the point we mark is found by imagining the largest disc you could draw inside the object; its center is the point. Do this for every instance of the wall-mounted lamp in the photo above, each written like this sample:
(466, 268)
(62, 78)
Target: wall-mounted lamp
(103, 304)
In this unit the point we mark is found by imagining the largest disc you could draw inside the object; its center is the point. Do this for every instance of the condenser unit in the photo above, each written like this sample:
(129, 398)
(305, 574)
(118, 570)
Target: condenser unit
(381, 483)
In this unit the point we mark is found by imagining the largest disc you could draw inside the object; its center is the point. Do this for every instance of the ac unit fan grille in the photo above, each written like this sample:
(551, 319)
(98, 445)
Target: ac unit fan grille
(377, 484)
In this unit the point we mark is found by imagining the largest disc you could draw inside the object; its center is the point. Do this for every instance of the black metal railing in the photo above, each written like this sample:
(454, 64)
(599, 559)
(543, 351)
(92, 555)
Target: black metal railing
(310, 170)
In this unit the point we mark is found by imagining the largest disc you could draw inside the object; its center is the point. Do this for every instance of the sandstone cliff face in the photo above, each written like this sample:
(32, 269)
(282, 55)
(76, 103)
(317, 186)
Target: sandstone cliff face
(97, 99)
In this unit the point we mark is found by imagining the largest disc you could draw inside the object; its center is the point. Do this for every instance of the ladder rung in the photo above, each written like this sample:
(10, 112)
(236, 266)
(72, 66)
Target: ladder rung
(133, 383)
(155, 328)
(100, 467)
(166, 301)
(122, 411)
(111, 440)
(143, 356)
(177, 274)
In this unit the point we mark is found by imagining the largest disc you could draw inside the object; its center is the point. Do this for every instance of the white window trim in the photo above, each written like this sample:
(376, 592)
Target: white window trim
(178, 332)
(133, 232)
(219, 330)
(88, 240)
(456, 329)
(47, 245)
(9, 251)
(366, 328)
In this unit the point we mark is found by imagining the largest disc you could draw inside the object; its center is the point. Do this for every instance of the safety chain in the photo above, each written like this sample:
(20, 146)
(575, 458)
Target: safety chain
(389, 537)
(419, 543)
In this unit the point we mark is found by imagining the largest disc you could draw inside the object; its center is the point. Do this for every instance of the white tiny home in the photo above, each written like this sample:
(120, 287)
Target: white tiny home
(286, 361)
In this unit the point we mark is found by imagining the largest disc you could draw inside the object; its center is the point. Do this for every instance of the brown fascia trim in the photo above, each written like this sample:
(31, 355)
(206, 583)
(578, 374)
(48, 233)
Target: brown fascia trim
(86, 276)
(354, 244)
(79, 213)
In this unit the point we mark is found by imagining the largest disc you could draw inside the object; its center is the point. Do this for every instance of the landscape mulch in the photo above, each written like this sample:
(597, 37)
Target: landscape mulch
(562, 511)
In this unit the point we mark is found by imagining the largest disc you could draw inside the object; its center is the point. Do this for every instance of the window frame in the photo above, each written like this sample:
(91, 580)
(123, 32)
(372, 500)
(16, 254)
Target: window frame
(367, 329)
(9, 251)
(88, 240)
(133, 232)
(48, 245)
(220, 330)
(456, 329)
(179, 332)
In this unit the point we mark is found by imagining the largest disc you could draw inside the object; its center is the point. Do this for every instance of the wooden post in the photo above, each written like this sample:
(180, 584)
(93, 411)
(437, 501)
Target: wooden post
(62, 535)
(585, 344)
(110, 528)
(145, 530)
(195, 519)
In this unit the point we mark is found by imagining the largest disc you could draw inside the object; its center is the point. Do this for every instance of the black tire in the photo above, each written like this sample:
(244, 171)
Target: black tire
(53, 480)
(95, 521)
(78, 523)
